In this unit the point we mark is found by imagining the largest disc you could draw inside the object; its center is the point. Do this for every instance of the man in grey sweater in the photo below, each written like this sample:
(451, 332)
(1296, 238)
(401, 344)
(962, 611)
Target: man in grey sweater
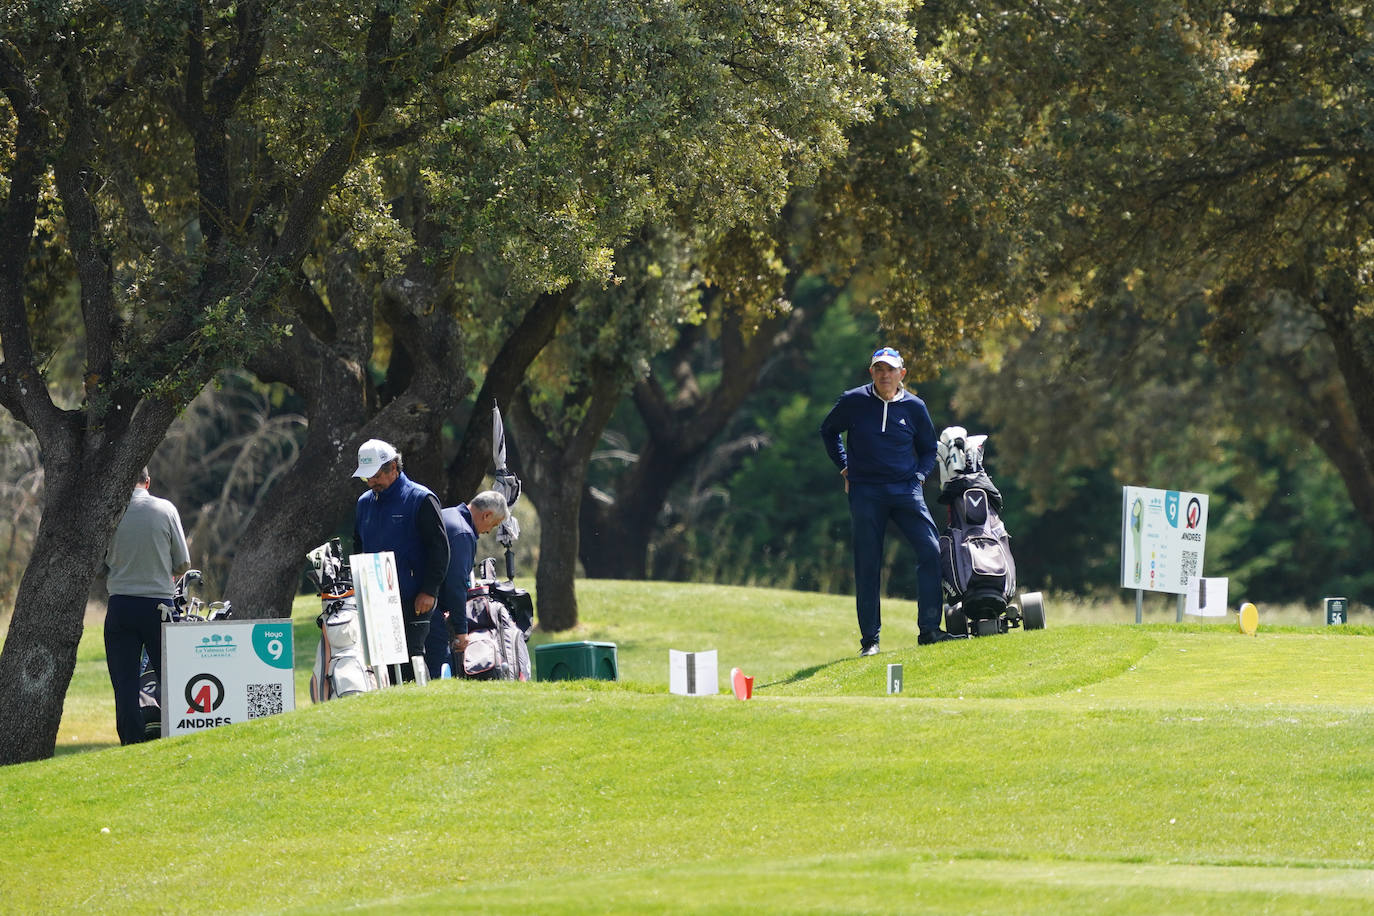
(146, 555)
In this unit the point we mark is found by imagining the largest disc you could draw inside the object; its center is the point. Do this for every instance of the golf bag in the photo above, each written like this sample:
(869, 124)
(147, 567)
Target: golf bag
(500, 617)
(184, 607)
(339, 670)
(976, 564)
(150, 698)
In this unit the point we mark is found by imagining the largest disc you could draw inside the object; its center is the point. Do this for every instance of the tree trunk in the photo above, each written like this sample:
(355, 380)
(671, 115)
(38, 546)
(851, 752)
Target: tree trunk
(472, 463)
(40, 650)
(616, 533)
(555, 471)
(1347, 405)
(86, 493)
(299, 513)
(554, 577)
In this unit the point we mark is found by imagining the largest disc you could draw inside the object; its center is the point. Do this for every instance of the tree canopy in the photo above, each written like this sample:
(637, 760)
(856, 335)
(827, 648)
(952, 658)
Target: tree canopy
(321, 191)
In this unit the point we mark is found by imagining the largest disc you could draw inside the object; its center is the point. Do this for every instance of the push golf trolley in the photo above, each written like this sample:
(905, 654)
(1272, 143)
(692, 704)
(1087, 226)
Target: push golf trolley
(976, 566)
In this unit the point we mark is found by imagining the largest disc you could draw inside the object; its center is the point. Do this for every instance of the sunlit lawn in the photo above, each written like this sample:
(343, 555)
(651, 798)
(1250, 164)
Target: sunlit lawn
(1086, 768)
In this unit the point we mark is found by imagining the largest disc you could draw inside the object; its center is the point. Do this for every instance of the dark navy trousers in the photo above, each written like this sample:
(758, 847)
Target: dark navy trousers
(132, 624)
(871, 507)
(437, 643)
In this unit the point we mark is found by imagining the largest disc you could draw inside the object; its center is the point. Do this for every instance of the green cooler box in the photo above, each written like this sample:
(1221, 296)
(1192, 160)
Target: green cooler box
(566, 661)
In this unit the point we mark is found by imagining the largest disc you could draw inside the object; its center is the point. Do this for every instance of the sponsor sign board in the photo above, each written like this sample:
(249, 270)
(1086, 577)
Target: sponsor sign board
(1163, 539)
(224, 671)
(379, 602)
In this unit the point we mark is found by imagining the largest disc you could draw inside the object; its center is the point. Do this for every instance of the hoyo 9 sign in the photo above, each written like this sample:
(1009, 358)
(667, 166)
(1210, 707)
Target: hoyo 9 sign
(1163, 538)
(220, 672)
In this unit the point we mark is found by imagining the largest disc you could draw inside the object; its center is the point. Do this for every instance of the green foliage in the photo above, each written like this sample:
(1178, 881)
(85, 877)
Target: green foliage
(582, 122)
(1090, 403)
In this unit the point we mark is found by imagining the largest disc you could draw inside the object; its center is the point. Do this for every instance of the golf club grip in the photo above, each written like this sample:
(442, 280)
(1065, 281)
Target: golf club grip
(510, 564)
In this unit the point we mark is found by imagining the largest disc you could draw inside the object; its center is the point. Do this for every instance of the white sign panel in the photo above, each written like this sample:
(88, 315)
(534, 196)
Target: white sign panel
(379, 602)
(692, 674)
(225, 671)
(1163, 536)
(1207, 597)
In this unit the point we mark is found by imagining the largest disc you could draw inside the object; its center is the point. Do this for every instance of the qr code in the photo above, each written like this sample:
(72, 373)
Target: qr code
(264, 700)
(1188, 568)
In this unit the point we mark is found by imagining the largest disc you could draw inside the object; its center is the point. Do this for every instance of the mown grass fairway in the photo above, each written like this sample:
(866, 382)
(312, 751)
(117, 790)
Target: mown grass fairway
(1080, 769)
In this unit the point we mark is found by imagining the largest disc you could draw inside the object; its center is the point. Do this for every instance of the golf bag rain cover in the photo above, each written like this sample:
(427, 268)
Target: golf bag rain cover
(499, 618)
(339, 668)
(976, 565)
(149, 698)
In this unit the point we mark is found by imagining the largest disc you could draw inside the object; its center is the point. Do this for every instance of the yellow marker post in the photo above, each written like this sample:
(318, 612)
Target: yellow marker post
(1249, 619)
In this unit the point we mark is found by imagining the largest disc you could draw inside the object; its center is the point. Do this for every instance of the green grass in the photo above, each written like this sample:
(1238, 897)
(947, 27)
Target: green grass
(1086, 768)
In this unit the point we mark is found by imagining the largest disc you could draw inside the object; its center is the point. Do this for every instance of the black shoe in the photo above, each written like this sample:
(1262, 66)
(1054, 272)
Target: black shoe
(870, 649)
(934, 636)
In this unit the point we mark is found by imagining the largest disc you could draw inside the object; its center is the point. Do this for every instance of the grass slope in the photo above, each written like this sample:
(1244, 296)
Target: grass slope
(1080, 769)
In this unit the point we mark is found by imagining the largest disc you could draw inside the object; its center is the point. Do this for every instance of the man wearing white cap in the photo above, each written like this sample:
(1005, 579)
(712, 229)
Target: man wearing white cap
(401, 516)
(891, 450)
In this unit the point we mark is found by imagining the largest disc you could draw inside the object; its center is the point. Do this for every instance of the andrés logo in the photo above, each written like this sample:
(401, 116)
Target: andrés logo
(204, 694)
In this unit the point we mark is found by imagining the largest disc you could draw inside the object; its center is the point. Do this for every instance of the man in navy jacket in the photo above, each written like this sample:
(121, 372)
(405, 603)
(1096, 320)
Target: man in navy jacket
(891, 449)
(402, 516)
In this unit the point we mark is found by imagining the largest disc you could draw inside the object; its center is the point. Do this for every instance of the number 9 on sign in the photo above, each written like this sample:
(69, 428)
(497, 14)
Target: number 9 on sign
(272, 642)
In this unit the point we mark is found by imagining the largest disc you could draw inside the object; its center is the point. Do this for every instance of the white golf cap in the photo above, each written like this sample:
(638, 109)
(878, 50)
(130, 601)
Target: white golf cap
(887, 355)
(372, 454)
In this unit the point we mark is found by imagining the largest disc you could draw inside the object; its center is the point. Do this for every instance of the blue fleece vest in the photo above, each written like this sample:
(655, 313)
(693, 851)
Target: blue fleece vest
(387, 522)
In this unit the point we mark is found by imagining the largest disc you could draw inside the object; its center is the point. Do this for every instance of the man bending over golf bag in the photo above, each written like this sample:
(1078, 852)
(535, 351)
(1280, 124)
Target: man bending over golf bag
(463, 524)
(498, 620)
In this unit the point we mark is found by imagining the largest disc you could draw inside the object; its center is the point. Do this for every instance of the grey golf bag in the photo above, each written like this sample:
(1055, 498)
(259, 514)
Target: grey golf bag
(500, 616)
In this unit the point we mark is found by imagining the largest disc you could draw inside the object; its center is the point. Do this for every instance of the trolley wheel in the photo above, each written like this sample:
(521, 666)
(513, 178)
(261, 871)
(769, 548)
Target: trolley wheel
(955, 621)
(1033, 611)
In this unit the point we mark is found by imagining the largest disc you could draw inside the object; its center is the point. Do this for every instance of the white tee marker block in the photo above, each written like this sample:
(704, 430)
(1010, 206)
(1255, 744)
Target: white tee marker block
(1208, 597)
(692, 674)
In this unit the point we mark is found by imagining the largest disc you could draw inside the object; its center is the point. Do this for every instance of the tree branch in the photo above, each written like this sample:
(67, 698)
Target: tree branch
(21, 389)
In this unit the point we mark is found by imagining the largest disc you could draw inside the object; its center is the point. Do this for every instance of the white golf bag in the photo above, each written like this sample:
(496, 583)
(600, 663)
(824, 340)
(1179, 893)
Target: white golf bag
(340, 670)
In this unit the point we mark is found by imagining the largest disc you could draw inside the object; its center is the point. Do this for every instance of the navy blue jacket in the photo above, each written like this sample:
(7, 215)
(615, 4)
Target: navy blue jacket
(405, 520)
(888, 441)
(462, 553)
